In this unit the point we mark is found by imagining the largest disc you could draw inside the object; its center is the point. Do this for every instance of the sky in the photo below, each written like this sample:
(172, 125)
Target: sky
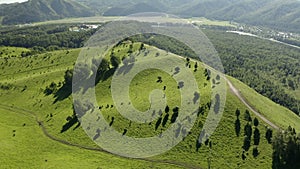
(11, 1)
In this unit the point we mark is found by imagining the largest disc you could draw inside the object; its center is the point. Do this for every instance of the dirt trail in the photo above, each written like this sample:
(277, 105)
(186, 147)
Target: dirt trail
(238, 94)
(47, 134)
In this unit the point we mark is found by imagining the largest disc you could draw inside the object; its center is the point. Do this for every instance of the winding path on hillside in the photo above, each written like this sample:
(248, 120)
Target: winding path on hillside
(47, 134)
(236, 92)
(243, 100)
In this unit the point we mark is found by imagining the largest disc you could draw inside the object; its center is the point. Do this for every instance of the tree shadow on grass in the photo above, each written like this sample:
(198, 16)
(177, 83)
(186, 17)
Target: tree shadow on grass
(86, 83)
(237, 126)
(125, 69)
(71, 122)
(104, 75)
(83, 84)
(64, 92)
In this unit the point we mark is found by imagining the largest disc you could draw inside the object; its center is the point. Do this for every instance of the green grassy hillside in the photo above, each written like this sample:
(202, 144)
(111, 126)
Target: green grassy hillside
(281, 116)
(22, 96)
(7, 52)
(23, 144)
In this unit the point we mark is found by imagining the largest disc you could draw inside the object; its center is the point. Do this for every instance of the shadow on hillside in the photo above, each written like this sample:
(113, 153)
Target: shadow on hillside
(104, 76)
(71, 122)
(125, 69)
(84, 84)
(64, 92)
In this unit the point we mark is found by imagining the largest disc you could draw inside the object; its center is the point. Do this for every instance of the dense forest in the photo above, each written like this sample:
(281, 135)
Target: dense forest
(45, 37)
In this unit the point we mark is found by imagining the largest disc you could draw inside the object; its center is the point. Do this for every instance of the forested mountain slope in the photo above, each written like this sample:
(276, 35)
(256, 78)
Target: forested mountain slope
(42, 10)
(277, 14)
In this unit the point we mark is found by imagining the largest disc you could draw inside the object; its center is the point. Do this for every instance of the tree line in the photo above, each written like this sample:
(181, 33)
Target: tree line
(44, 37)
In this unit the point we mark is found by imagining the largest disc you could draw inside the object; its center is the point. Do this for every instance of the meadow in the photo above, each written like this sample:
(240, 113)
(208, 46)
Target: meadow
(24, 80)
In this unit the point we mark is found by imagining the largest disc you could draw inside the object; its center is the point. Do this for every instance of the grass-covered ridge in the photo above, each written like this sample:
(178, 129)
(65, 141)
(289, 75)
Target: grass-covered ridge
(281, 116)
(28, 77)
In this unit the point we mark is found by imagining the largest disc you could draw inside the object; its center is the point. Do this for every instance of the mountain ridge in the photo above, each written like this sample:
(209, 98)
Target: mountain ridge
(274, 14)
(42, 10)
(279, 15)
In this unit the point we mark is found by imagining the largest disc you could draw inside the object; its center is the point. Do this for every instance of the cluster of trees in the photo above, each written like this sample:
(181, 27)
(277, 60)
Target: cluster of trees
(286, 150)
(44, 37)
(62, 90)
(248, 132)
(101, 69)
(166, 43)
(52, 88)
(5, 86)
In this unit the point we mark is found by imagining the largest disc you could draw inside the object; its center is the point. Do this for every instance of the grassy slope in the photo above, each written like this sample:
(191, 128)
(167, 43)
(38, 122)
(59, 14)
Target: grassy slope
(46, 68)
(56, 154)
(6, 52)
(281, 116)
(30, 148)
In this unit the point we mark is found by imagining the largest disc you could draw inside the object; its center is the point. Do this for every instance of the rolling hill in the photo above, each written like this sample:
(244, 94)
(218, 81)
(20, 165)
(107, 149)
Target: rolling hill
(47, 119)
(39, 127)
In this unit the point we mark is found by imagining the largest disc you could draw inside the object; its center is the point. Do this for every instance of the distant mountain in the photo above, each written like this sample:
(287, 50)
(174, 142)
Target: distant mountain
(224, 9)
(136, 8)
(42, 10)
(277, 14)
(283, 15)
